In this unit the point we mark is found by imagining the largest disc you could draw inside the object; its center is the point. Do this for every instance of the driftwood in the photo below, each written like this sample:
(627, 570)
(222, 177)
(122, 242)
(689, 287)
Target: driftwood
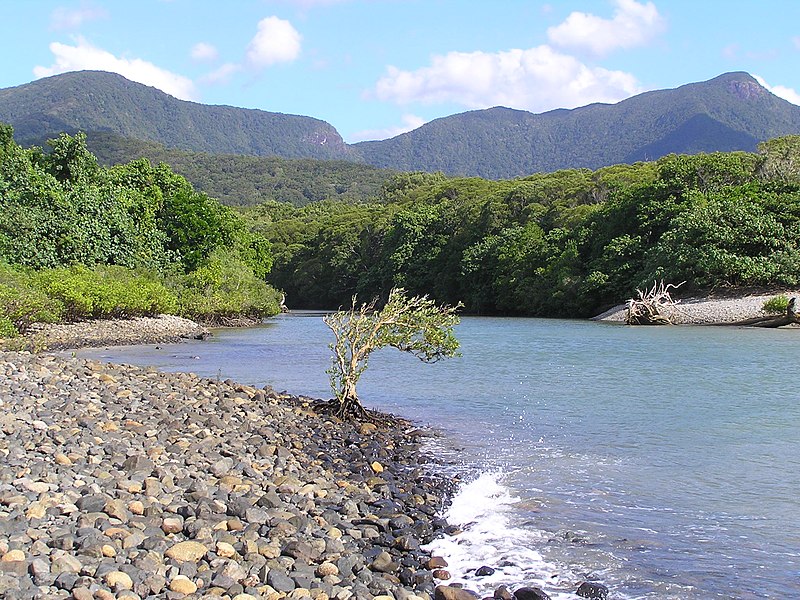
(647, 308)
(791, 316)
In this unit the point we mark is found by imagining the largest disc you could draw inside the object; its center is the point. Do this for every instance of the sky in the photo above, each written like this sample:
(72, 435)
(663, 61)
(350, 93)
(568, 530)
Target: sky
(377, 68)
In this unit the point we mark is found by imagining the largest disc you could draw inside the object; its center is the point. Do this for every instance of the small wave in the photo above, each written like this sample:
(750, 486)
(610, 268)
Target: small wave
(481, 508)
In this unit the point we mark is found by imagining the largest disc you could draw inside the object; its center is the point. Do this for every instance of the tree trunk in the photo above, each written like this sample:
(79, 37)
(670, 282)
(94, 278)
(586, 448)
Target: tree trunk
(790, 317)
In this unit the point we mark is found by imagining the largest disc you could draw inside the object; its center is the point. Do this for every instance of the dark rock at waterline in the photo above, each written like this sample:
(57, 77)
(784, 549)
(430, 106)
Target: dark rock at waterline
(503, 593)
(589, 589)
(484, 571)
(530, 593)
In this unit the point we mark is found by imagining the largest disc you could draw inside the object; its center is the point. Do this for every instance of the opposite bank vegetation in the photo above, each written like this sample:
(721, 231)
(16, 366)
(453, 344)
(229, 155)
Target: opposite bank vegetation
(78, 240)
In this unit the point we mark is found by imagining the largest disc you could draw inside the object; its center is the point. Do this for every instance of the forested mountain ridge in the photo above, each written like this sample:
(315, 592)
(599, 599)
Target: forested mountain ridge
(728, 113)
(92, 101)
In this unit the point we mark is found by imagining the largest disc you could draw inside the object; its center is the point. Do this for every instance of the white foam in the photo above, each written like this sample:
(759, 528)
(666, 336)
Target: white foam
(482, 509)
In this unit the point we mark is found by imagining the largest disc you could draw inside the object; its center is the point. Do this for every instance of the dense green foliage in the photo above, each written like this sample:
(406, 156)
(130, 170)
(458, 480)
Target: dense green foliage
(730, 112)
(81, 241)
(562, 244)
(237, 180)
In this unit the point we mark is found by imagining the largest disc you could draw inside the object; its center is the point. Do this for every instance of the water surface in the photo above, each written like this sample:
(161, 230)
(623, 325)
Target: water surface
(664, 462)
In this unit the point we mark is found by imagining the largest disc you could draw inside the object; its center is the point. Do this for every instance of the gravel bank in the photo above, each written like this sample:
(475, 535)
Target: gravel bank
(111, 332)
(705, 311)
(123, 482)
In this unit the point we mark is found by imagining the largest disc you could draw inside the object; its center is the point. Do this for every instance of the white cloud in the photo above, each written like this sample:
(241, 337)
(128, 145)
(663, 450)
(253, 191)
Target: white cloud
(221, 75)
(72, 18)
(204, 52)
(84, 56)
(788, 94)
(410, 122)
(633, 24)
(537, 79)
(276, 41)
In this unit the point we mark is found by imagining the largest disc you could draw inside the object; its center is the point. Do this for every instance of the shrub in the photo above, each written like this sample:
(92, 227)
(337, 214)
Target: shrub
(21, 304)
(223, 288)
(106, 292)
(776, 304)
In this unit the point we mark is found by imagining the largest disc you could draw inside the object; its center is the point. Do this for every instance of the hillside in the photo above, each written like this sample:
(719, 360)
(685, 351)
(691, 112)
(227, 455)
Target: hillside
(729, 112)
(240, 180)
(98, 101)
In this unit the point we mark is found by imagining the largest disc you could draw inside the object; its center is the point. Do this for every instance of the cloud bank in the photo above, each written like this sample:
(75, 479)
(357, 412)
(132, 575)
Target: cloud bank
(780, 91)
(633, 24)
(537, 79)
(83, 56)
(276, 41)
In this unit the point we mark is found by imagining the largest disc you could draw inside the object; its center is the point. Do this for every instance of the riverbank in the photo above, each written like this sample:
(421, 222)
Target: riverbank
(118, 481)
(706, 310)
(162, 329)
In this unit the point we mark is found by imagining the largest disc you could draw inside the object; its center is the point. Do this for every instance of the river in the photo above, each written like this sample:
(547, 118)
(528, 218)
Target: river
(663, 462)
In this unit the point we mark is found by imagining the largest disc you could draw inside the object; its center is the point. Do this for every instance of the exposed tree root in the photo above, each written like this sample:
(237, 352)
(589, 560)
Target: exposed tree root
(647, 309)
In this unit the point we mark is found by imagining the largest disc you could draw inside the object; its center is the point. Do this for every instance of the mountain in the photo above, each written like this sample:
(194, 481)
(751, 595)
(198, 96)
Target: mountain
(94, 101)
(730, 112)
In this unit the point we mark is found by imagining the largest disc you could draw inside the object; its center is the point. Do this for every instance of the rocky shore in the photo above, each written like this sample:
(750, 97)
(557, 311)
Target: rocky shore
(705, 310)
(122, 482)
(112, 332)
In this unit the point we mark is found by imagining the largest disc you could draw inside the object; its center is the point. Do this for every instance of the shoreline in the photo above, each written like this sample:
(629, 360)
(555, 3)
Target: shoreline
(109, 472)
(699, 310)
(107, 332)
(119, 479)
(705, 310)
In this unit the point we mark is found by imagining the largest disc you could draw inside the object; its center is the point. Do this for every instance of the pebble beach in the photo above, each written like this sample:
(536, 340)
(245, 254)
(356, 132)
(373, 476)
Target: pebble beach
(122, 482)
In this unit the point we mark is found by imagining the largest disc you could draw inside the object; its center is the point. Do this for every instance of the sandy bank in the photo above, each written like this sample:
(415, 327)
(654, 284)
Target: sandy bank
(705, 310)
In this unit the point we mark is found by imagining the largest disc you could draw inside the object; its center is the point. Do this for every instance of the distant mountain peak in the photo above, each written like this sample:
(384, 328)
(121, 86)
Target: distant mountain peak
(729, 112)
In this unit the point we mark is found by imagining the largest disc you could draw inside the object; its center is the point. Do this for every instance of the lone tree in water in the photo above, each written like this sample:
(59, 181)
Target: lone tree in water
(416, 325)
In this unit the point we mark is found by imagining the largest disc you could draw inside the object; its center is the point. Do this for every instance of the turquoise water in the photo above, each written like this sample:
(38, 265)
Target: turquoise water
(664, 462)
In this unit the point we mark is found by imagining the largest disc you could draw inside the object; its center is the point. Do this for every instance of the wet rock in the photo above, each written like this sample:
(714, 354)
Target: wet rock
(530, 593)
(589, 589)
(503, 593)
(484, 571)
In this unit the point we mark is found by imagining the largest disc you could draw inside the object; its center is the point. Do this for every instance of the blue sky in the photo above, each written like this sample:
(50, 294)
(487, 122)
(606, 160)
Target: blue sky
(376, 68)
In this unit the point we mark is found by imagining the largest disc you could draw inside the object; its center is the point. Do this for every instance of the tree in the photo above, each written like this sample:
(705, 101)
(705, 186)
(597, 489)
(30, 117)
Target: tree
(411, 324)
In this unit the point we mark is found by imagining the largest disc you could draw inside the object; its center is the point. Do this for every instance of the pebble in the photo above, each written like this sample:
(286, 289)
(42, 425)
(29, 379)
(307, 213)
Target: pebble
(182, 585)
(118, 581)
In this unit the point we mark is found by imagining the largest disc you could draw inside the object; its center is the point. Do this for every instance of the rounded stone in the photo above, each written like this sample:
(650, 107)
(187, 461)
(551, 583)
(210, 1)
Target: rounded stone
(117, 580)
(327, 568)
(225, 550)
(182, 585)
(187, 551)
(13, 556)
